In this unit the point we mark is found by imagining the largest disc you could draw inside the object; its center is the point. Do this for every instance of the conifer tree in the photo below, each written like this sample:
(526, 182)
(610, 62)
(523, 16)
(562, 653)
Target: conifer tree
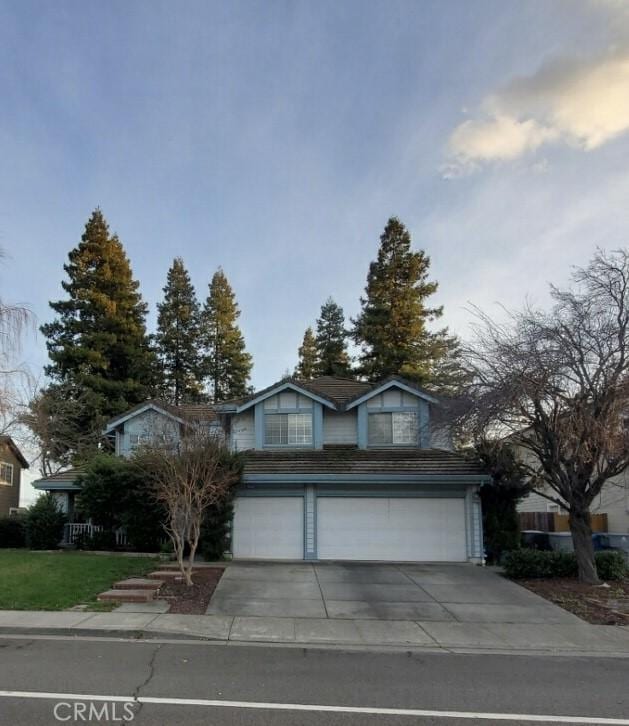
(392, 327)
(307, 366)
(177, 338)
(98, 344)
(332, 356)
(227, 363)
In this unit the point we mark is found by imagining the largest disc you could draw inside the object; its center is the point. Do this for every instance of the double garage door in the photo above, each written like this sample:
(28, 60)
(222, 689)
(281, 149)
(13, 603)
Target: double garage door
(352, 528)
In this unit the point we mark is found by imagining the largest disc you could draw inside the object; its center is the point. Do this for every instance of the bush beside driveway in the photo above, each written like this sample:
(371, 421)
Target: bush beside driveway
(59, 580)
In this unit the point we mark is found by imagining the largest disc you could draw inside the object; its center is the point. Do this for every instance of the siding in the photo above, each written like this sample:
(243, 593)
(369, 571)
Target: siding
(393, 397)
(339, 428)
(147, 423)
(243, 435)
(288, 400)
(10, 495)
(441, 438)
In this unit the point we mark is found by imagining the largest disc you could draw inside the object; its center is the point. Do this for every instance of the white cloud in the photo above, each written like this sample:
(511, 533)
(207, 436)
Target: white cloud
(584, 103)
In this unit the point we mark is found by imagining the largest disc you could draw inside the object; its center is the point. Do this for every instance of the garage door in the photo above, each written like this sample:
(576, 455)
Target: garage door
(396, 529)
(269, 527)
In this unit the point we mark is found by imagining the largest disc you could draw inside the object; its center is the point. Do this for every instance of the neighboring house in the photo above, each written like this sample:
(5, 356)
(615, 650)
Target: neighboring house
(11, 464)
(613, 502)
(335, 469)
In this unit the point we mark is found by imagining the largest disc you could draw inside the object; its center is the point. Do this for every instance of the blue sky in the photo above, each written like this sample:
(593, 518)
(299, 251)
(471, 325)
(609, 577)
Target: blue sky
(276, 138)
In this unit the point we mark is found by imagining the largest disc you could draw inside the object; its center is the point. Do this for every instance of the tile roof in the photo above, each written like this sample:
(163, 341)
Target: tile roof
(347, 460)
(60, 477)
(336, 389)
(195, 411)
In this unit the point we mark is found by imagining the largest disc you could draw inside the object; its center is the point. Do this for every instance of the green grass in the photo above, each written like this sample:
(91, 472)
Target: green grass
(59, 580)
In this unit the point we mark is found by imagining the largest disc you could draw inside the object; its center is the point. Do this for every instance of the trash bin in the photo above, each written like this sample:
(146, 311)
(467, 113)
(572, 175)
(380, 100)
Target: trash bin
(618, 542)
(561, 541)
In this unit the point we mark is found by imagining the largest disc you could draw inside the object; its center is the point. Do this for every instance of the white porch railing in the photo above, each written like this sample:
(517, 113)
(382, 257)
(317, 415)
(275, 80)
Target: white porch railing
(74, 532)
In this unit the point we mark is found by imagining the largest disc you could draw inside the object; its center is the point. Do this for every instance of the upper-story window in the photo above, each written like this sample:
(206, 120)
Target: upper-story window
(6, 473)
(395, 428)
(138, 440)
(286, 429)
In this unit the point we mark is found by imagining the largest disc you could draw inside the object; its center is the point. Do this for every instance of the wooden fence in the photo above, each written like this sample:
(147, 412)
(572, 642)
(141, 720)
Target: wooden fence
(555, 522)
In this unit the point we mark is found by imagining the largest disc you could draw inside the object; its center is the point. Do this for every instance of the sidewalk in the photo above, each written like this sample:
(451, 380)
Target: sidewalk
(562, 639)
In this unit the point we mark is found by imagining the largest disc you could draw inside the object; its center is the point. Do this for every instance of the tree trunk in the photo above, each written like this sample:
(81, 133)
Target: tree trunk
(190, 565)
(581, 530)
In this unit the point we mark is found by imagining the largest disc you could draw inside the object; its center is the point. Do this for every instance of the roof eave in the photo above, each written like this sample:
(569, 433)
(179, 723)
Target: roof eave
(388, 478)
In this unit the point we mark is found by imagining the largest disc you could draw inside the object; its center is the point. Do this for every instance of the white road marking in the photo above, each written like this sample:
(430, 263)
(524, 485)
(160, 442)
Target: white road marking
(364, 710)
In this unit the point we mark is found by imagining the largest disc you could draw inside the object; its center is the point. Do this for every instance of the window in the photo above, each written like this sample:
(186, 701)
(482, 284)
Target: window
(137, 440)
(398, 428)
(286, 429)
(6, 473)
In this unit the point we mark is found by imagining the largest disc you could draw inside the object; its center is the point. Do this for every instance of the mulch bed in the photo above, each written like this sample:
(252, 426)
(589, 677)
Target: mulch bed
(193, 600)
(597, 605)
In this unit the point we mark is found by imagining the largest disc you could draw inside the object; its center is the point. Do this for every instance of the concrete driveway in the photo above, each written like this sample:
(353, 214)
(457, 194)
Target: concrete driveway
(361, 591)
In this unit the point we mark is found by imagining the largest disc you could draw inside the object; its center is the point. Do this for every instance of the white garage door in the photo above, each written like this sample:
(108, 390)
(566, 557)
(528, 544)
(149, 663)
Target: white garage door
(402, 529)
(269, 527)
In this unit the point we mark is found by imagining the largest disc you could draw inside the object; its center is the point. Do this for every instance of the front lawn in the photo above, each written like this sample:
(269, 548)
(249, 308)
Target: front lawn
(59, 580)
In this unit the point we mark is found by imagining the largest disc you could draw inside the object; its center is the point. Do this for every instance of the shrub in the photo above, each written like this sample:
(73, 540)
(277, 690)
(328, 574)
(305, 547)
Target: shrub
(104, 541)
(499, 497)
(115, 493)
(215, 530)
(44, 523)
(12, 531)
(611, 565)
(526, 563)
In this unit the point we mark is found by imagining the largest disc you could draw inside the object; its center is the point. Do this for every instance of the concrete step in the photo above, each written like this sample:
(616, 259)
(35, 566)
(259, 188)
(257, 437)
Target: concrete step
(126, 596)
(138, 583)
(165, 575)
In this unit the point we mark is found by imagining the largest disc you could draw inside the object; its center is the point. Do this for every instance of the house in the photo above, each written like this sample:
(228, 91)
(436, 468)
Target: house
(612, 504)
(11, 464)
(335, 469)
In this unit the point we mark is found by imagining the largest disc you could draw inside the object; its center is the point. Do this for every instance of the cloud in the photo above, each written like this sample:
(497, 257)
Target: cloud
(583, 103)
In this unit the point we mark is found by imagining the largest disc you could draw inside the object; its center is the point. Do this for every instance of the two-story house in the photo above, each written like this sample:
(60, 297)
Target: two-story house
(335, 469)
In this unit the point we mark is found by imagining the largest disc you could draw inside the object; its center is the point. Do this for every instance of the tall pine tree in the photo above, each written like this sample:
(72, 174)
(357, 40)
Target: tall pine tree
(307, 365)
(227, 363)
(332, 356)
(177, 338)
(97, 345)
(392, 327)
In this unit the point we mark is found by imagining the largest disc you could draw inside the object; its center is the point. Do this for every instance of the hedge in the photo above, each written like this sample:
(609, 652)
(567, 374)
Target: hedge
(13, 531)
(527, 563)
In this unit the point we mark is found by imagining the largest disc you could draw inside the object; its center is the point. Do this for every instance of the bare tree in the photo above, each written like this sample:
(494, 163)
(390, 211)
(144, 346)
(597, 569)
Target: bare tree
(188, 476)
(14, 320)
(556, 384)
(55, 417)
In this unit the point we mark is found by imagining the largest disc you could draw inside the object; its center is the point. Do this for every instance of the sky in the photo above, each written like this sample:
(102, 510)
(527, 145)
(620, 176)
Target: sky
(276, 138)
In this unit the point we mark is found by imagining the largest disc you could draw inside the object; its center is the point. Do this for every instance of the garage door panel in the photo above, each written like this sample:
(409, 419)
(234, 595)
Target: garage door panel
(268, 528)
(388, 528)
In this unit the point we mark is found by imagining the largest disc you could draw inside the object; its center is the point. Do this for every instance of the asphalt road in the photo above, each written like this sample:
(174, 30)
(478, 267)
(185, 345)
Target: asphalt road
(421, 688)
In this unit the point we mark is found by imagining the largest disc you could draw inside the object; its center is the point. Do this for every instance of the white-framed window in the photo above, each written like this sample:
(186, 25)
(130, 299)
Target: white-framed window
(288, 429)
(137, 440)
(393, 428)
(6, 473)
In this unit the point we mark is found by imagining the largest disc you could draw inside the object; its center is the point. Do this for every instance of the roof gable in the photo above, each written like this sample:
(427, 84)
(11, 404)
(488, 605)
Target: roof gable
(286, 385)
(393, 382)
(141, 408)
(8, 441)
